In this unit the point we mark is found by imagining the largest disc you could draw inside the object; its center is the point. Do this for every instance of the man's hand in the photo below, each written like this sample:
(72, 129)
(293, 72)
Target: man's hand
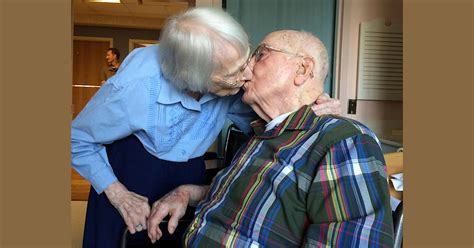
(326, 105)
(133, 208)
(174, 204)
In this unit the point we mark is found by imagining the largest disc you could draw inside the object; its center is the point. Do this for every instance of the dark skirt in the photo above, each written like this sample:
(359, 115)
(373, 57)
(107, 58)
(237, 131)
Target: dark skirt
(145, 175)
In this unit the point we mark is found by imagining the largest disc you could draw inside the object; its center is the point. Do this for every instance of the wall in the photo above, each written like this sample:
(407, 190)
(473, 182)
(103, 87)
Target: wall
(120, 35)
(210, 3)
(384, 117)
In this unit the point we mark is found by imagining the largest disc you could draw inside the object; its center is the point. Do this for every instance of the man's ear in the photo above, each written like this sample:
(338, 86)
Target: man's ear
(305, 71)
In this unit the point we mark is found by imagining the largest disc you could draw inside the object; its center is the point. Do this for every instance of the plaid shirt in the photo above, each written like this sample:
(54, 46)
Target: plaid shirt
(310, 181)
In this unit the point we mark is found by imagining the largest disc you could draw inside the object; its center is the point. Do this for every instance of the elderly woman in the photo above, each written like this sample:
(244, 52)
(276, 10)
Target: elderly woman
(162, 110)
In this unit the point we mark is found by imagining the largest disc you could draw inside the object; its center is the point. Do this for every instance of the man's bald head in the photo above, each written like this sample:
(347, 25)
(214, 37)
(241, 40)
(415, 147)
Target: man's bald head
(304, 43)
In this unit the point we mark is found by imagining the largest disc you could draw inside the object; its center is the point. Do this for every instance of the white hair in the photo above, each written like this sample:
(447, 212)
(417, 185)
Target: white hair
(188, 43)
(321, 56)
(311, 45)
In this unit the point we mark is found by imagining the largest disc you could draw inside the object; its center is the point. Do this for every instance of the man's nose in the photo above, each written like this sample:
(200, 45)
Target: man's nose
(248, 74)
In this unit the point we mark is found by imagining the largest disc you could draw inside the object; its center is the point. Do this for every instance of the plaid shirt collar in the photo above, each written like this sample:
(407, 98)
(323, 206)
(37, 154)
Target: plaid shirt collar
(303, 119)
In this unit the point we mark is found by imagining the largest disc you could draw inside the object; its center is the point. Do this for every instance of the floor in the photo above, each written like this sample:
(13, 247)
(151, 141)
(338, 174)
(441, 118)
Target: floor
(78, 214)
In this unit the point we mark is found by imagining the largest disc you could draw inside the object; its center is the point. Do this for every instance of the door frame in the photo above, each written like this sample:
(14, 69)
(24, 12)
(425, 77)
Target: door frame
(132, 42)
(337, 50)
(89, 38)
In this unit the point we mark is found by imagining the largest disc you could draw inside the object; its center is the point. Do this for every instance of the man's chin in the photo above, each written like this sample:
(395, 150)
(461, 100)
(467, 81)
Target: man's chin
(246, 99)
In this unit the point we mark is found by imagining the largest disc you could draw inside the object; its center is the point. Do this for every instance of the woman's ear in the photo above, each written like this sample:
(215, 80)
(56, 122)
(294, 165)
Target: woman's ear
(304, 71)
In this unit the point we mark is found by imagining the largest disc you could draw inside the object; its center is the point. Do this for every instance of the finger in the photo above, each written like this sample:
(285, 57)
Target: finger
(321, 108)
(142, 222)
(143, 198)
(154, 233)
(148, 221)
(135, 227)
(318, 109)
(139, 214)
(174, 220)
(140, 227)
(153, 224)
(130, 226)
(319, 113)
(138, 220)
(146, 210)
(154, 220)
(151, 231)
(323, 98)
(138, 198)
(323, 111)
(158, 233)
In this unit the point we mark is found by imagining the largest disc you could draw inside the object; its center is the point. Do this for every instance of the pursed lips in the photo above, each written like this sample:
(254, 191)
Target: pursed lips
(244, 86)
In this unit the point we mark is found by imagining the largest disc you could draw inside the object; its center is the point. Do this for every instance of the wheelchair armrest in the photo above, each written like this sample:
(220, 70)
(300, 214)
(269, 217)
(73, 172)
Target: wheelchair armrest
(398, 225)
(212, 156)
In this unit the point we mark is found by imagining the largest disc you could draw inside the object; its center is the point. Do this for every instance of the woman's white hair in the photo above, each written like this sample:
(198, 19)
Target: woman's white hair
(188, 43)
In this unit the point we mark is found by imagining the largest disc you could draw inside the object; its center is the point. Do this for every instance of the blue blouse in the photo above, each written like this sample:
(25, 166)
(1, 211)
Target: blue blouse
(138, 100)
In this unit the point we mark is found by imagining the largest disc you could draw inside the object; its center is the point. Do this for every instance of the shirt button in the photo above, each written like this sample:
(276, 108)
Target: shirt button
(195, 225)
(183, 152)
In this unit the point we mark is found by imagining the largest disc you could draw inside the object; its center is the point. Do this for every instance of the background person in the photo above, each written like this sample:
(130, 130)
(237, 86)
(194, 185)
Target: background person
(112, 57)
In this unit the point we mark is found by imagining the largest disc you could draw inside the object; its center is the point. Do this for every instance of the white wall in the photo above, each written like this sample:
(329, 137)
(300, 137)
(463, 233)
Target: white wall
(215, 3)
(384, 117)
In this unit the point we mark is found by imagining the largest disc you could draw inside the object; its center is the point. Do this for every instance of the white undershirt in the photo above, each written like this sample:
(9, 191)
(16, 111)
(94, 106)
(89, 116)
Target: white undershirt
(276, 121)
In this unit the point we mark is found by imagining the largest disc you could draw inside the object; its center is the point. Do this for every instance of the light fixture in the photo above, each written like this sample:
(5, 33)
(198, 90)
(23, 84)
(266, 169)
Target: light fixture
(102, 1)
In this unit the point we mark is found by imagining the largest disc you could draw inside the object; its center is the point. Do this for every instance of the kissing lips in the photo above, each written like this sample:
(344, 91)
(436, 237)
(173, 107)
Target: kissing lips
(245, 85)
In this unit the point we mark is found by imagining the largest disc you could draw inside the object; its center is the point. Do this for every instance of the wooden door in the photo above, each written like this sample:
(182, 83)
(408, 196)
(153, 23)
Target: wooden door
(88, 60)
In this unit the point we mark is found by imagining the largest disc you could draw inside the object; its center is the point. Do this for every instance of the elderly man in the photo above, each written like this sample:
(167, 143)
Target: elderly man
(302, 179)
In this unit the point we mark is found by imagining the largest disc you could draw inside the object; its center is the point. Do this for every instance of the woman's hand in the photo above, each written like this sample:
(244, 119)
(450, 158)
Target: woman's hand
(326, 105)
(133, 208)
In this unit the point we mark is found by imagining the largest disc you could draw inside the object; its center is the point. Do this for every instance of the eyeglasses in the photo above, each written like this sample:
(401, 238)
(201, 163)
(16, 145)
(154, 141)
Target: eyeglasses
(263, 49)
(234, 80)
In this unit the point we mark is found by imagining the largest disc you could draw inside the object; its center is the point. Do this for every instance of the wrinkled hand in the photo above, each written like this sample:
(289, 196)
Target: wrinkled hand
(174, 204)
(133, 208)
(326, 105)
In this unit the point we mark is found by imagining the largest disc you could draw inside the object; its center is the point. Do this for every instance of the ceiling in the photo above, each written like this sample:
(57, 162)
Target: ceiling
(142, 14)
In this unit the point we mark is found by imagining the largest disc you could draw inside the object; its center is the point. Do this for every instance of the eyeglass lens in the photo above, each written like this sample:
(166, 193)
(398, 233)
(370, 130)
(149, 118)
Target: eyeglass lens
(258, 52)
